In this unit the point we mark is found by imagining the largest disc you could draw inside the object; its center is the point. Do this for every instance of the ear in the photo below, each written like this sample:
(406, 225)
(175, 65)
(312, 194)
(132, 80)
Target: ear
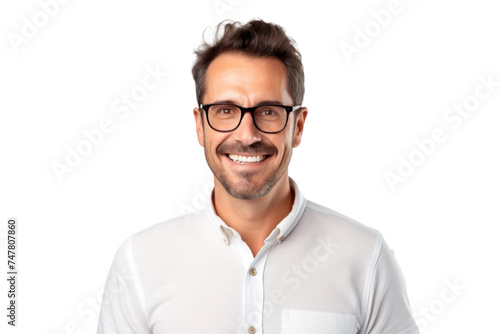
(299, 126)
(199, 126)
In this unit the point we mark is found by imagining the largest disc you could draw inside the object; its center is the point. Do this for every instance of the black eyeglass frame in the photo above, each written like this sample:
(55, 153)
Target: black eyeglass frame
(251, 110)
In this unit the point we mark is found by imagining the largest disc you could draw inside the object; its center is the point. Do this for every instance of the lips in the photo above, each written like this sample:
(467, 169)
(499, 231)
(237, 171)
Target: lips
(246, 159)
(246, 154)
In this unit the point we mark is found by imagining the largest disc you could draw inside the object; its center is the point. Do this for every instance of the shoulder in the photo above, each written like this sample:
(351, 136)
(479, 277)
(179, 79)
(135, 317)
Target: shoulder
(171, 233)
(320, 221)
(329, 219)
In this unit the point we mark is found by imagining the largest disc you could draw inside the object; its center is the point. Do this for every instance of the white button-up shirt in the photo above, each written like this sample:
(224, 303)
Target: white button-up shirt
(319, 272)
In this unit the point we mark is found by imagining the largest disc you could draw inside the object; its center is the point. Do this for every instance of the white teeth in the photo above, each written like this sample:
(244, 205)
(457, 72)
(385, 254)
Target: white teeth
(246, 159)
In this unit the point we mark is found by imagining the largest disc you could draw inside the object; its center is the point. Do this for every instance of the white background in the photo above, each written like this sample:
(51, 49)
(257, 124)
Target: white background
(363, 115)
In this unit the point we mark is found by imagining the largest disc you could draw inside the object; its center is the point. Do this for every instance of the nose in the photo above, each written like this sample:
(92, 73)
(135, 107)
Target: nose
(246, 132)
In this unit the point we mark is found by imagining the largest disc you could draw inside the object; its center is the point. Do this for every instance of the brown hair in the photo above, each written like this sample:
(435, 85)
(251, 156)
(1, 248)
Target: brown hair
(256, 38)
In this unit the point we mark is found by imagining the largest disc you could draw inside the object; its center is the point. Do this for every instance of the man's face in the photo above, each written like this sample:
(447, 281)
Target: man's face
(248, 81)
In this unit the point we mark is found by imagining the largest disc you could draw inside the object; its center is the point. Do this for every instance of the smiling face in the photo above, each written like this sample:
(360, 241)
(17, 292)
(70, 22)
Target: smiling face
(246, 162)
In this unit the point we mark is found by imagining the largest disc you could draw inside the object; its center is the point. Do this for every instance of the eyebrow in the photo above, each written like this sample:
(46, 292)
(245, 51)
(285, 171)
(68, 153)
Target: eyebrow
(261, 103)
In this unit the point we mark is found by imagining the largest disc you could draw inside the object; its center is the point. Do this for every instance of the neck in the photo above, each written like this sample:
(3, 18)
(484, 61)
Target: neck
(254, 219)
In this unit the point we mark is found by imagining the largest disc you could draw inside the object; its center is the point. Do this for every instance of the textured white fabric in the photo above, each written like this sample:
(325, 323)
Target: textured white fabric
(319, 272)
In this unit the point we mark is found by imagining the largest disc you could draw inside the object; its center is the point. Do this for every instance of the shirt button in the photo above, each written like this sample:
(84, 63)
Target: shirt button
(253, 272)
(230, 232)
(280, 239)
(252, 330)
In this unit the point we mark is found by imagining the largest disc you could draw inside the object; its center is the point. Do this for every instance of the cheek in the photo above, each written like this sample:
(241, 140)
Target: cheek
(284, 145)
(288, 139)
(212, 141)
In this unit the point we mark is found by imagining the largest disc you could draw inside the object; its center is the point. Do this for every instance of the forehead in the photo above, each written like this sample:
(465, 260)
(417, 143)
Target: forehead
(246, 79)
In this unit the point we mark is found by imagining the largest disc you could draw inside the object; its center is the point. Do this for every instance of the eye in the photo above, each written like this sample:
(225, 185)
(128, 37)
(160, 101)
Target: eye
(224, 110)
(268, 112)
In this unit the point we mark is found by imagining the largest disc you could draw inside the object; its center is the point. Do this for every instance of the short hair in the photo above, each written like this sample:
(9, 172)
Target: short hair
(255, 38)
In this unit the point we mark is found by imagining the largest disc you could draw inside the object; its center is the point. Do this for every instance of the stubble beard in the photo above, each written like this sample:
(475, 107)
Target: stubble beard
(244, 187)
(243, 191)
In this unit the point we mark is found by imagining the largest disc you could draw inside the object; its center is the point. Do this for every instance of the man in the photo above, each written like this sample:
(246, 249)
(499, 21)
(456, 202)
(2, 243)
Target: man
(259, 258)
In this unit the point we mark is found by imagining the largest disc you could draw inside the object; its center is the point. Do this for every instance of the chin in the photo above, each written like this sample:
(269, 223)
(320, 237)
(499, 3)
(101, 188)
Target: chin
(246, 194)
(248, 189)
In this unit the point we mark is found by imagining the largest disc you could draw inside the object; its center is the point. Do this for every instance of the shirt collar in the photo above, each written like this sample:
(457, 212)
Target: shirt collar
(281, 231)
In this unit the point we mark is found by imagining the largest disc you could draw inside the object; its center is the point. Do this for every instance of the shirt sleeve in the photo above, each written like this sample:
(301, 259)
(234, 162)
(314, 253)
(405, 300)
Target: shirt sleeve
(123, 307)
(388, 310)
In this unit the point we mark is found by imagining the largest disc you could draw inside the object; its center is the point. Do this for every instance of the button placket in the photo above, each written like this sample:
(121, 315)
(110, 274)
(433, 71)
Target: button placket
(254, 279)
(254, 295)
(255, 289)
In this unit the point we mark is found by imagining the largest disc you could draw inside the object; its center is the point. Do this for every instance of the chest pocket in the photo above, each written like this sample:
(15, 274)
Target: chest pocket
(305, 322)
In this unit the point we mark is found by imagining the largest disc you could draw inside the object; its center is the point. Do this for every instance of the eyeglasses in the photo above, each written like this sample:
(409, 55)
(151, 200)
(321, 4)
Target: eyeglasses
(225, 117)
